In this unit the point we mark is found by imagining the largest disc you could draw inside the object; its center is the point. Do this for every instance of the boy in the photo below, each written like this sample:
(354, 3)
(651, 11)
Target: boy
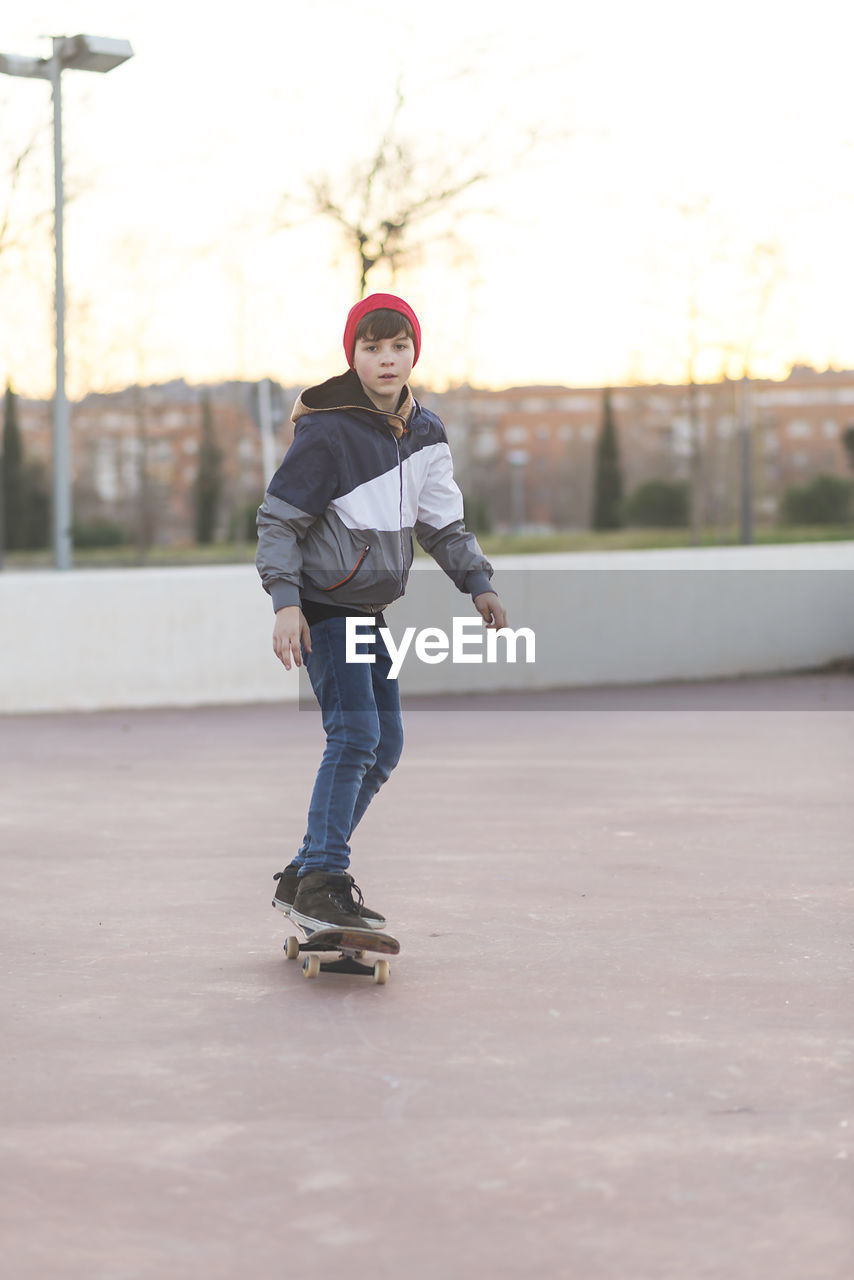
(368, 467)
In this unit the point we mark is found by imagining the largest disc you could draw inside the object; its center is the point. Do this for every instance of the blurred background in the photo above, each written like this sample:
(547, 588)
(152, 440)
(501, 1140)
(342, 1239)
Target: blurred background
(626, 231)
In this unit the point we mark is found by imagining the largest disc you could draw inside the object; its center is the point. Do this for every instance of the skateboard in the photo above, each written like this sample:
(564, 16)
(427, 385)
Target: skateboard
(351, 945)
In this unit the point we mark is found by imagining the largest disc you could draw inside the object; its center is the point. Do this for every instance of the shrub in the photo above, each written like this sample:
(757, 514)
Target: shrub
(659, 504)
(99, 533)
(476, 514)
(825, 500)
(242, 524)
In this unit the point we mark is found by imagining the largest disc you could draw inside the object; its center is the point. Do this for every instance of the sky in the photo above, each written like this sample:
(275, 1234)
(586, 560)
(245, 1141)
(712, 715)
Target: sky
(670, 188)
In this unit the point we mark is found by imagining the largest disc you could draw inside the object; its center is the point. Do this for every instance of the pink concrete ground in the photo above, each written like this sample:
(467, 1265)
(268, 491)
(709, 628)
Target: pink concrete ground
(617, 1043)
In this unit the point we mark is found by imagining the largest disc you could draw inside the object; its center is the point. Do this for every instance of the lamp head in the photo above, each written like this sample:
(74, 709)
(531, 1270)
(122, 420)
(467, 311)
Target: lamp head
(93, 53)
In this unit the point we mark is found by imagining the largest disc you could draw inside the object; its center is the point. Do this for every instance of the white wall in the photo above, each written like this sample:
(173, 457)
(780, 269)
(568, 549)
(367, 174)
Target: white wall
(135, 638)
(177, 637)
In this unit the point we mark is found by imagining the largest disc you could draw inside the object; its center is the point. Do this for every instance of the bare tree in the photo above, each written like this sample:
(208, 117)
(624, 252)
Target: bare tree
(15, 167)
(387, 206)
(709, 244)
(698, 209)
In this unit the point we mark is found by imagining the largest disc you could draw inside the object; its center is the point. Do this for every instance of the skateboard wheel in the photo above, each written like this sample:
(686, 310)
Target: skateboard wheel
(311, 966)
(381, 972)
(292, 947)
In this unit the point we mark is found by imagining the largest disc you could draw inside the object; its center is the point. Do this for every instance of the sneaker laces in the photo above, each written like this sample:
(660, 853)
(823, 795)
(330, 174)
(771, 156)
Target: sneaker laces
(354, 889)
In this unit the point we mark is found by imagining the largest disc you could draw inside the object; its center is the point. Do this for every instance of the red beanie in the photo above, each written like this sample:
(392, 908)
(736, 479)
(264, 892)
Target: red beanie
(379, 302)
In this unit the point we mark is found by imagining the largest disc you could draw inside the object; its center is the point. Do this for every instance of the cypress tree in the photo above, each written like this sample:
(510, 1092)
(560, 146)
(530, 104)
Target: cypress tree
(37, 507)
(208, 486)
(848, 443)
(13, 502)
(607, 479)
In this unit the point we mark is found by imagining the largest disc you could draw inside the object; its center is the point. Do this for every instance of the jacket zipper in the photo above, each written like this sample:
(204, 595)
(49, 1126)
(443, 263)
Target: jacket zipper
(365, 549)
(400, 518)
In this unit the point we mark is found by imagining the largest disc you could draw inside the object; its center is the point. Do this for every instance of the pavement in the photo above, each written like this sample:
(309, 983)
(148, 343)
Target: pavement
(616, 1045)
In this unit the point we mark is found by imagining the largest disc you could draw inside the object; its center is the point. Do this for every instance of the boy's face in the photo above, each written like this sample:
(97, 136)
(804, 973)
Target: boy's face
(383, 366)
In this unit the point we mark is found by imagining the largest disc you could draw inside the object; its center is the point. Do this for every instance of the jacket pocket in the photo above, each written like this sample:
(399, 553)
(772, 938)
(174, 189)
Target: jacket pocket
(365, 549)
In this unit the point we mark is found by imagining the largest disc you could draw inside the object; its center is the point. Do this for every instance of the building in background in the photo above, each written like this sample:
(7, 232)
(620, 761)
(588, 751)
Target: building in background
(796, 427)
(523, 455)
(135, 457)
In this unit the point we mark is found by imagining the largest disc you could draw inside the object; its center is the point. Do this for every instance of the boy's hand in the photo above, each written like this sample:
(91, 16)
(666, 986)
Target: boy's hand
(289, 630)
(491, 609)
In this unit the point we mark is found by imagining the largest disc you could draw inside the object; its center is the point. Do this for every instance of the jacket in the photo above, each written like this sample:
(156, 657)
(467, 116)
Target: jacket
(338, 517)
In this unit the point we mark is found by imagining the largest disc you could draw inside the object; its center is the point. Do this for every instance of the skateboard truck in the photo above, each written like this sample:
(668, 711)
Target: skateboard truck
(351, 945)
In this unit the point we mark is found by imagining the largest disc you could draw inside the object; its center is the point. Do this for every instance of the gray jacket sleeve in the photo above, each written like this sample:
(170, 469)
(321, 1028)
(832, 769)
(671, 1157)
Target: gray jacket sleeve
(281, 527)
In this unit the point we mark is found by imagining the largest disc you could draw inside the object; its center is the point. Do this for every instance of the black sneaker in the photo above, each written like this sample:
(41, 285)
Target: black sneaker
(325, 901)
(372, 919)
(289, 882)
(287, 889)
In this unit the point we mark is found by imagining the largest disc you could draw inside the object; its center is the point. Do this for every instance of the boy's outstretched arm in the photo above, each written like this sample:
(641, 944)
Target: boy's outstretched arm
(289, 629)
(491, 609)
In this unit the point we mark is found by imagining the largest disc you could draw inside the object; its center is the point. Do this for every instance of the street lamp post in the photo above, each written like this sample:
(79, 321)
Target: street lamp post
(518, 459)
(746, 463)
(82, 53)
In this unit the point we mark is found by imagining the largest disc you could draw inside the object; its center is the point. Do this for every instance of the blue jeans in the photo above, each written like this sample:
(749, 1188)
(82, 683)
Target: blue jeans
(360, 709)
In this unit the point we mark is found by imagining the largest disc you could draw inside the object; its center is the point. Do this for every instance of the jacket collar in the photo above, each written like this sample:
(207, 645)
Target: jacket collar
(346, 392)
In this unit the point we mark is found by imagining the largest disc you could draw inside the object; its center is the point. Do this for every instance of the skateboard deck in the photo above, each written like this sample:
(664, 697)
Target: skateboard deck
(351, 945)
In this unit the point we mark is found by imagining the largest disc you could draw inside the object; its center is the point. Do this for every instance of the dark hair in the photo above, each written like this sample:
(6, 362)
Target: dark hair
(383, 323)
